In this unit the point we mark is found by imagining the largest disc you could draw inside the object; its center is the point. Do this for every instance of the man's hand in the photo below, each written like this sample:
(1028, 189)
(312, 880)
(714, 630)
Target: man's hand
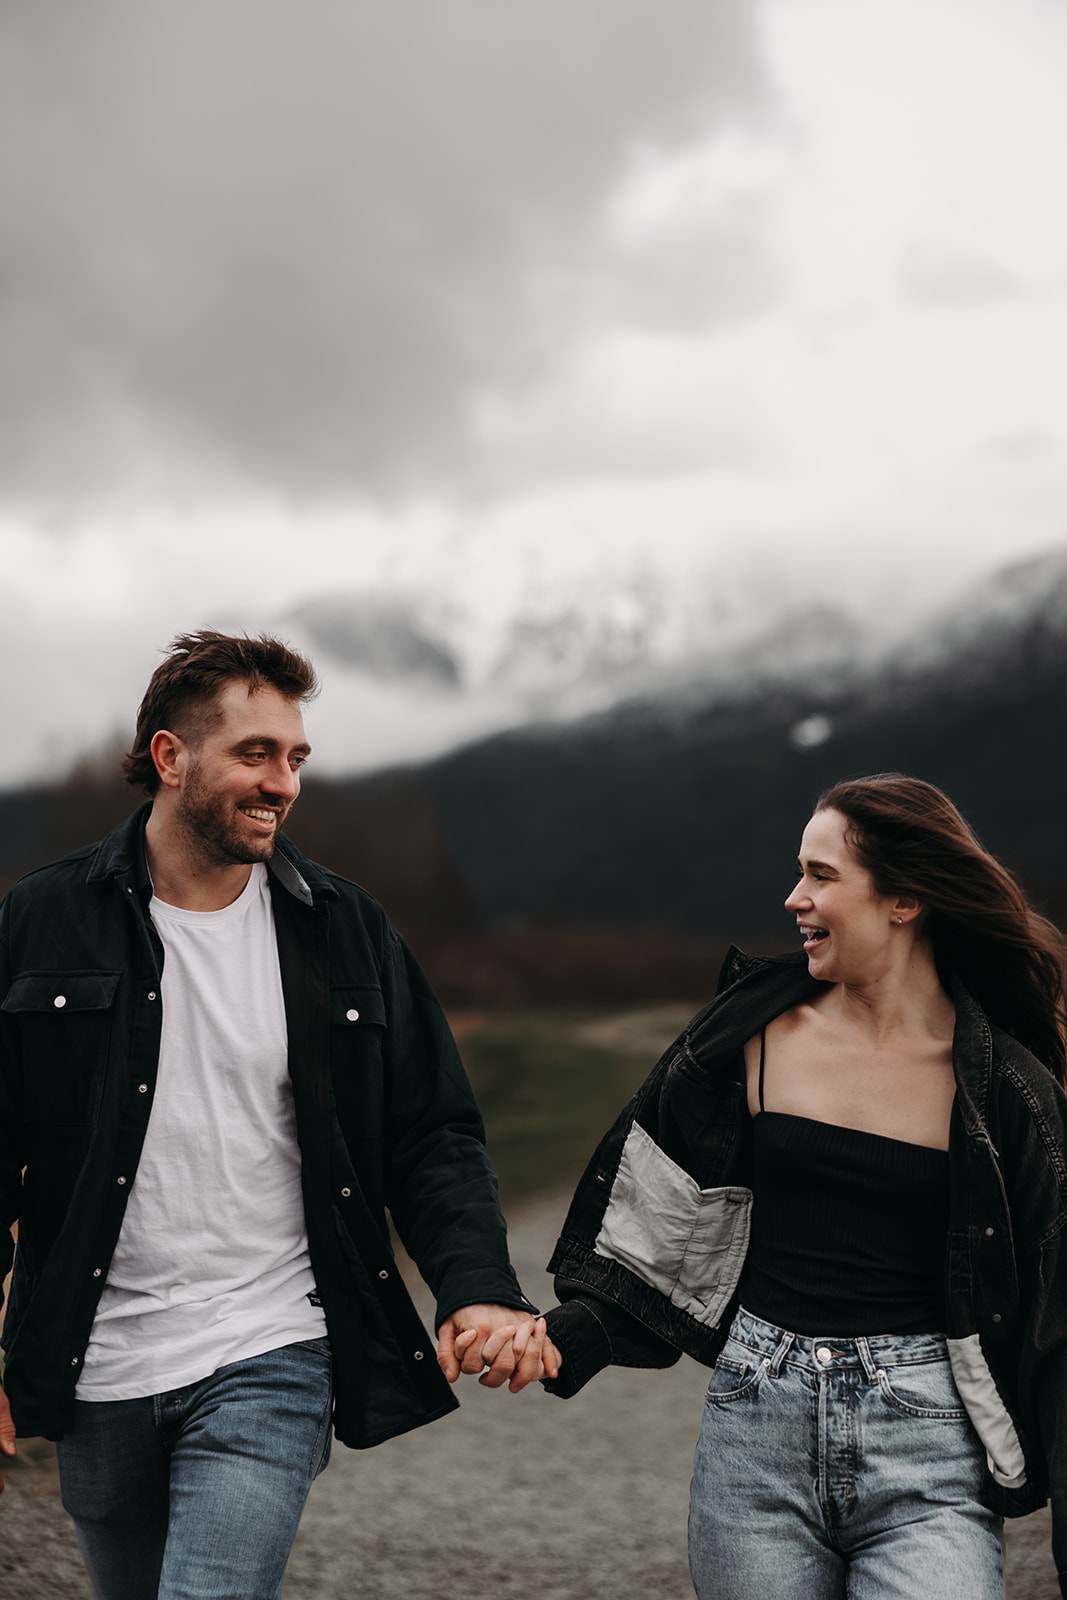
(501, 1344)
(7, 1431)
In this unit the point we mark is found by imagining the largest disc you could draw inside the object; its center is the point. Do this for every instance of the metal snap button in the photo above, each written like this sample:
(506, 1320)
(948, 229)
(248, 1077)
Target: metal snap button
(345, 1193)
(60, 1001)
(824, 1354)
(353, 1015)
(383, 1273)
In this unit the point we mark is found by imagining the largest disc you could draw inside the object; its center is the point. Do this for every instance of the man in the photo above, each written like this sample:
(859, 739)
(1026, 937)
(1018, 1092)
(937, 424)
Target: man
(218, 1066)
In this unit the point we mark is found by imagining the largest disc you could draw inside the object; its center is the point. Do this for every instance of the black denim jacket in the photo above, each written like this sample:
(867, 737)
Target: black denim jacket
(385, 1118)
(653, 1246)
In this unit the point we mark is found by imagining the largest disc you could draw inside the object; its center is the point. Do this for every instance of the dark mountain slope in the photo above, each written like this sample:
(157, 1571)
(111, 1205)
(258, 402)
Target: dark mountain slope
(691, 820)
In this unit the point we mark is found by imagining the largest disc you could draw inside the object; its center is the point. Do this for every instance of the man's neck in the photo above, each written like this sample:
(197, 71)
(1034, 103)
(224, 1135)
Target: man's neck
(183, 876)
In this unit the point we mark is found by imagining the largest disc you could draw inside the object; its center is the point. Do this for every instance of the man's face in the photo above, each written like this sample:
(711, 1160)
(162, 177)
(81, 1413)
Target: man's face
(242, 777)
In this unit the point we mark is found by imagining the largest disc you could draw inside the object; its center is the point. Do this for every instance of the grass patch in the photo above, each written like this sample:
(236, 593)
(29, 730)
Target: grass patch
(550, 1082)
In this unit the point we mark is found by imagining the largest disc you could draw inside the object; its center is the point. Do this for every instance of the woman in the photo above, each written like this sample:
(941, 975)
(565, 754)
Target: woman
(845, 1185)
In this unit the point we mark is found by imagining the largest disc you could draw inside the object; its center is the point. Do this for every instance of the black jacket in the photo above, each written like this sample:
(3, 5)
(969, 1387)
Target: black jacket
(655, 1241)
(385, 1118)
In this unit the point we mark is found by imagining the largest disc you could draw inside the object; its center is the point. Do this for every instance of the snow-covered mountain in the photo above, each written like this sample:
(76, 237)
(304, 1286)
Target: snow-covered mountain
(408, 678)
(414, 669)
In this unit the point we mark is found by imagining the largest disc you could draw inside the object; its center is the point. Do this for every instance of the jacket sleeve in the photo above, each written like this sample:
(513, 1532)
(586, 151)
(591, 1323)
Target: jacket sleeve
(440, 1184)
(591, 1328)
(591, 1333)
(1034, 1156)
(12, 1153)
(1047, 1349)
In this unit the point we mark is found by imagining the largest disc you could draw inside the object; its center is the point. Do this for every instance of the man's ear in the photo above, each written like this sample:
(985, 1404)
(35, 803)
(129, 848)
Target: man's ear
(168, 753)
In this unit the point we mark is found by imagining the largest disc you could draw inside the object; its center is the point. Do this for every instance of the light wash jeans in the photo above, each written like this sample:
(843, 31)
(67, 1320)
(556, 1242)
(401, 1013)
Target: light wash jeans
(195, 1494)
(839, 1469)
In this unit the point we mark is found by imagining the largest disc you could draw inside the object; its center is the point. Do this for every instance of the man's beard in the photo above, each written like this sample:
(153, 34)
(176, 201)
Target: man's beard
(209, 820)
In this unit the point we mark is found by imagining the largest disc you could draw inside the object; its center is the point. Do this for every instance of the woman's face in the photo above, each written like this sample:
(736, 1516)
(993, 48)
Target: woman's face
(847, 926)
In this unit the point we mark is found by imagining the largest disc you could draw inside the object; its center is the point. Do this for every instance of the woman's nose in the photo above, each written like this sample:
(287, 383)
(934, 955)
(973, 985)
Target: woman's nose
(798, 898)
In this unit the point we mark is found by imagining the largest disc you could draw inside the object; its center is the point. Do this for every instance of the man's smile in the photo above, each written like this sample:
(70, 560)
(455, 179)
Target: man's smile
(259, 813)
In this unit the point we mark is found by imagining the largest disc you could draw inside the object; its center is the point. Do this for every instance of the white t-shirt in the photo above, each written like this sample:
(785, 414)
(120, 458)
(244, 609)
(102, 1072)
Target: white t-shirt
(212, 1263)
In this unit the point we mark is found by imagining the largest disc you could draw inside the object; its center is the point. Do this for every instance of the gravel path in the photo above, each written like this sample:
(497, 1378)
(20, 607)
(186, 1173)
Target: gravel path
(576, 1500)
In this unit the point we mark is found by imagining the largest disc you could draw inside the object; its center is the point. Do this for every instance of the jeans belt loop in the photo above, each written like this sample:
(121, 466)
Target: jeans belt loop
(775, 1364)
(870, 1366)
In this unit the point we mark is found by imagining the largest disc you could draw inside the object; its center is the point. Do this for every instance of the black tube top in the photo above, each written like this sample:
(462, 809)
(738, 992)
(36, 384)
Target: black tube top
(848, 1230)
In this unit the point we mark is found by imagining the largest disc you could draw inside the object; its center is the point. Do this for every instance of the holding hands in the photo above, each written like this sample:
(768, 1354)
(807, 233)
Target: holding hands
(499, 1343)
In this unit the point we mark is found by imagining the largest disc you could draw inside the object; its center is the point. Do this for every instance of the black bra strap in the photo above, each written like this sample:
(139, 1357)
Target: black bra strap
(762, 1053)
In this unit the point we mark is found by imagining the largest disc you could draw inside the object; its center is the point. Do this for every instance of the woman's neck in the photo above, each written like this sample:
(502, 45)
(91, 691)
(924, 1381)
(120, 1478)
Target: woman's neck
(906, 998)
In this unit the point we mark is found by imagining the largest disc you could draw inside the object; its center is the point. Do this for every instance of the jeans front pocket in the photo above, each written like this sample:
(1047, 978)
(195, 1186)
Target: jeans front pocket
(924, 1389)
(737, 1373)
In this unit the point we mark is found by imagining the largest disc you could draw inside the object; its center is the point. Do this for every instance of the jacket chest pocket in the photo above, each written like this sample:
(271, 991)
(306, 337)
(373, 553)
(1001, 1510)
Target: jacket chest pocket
(358, 1030)
(63, 1024)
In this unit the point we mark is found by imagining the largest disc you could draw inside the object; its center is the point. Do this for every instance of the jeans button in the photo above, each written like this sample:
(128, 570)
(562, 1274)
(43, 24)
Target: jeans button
(824, 1354)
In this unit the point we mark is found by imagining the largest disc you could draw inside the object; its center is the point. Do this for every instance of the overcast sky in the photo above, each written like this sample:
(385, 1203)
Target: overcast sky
(499, 298)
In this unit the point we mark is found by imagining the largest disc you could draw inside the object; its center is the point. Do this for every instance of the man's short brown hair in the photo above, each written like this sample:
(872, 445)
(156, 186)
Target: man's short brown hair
(182, 691)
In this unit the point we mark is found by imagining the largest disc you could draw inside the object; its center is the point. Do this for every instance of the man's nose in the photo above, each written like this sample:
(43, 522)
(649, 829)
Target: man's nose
(282, 780)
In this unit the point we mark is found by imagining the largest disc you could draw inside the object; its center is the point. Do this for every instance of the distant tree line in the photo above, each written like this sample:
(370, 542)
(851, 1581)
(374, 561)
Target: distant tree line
(385, 833)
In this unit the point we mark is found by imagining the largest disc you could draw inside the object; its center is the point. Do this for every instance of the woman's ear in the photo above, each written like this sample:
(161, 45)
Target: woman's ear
(907, 908)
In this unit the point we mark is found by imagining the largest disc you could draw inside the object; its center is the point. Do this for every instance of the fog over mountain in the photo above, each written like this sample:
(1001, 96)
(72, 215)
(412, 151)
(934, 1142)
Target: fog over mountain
(666, 801)
(412, 671)
(410, 680)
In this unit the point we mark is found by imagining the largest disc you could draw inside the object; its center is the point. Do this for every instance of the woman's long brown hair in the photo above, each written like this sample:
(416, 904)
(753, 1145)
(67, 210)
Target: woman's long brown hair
(913, 840)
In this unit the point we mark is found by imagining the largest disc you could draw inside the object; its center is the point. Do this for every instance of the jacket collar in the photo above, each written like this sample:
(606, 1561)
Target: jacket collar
(122, 856)
(972, 1055)
(304, 880)
(753, 990)
(756, 989)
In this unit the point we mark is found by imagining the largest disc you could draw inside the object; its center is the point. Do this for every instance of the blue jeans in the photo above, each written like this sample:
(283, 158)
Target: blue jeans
(834, 1468)
(196, 1494)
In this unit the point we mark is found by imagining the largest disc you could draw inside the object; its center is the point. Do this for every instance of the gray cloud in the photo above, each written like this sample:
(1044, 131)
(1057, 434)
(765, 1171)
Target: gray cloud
(286, 244)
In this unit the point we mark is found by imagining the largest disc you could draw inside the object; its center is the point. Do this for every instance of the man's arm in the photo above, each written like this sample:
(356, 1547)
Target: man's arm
(440, 1184)
(493, 1341)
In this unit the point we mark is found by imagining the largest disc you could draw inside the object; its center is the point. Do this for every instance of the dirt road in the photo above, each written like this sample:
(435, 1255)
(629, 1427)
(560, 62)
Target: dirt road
(509, 1497)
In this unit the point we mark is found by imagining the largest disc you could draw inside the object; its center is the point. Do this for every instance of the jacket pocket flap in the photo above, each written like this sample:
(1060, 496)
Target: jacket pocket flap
(357, 1003)
(687, 1242)
(62, 991)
